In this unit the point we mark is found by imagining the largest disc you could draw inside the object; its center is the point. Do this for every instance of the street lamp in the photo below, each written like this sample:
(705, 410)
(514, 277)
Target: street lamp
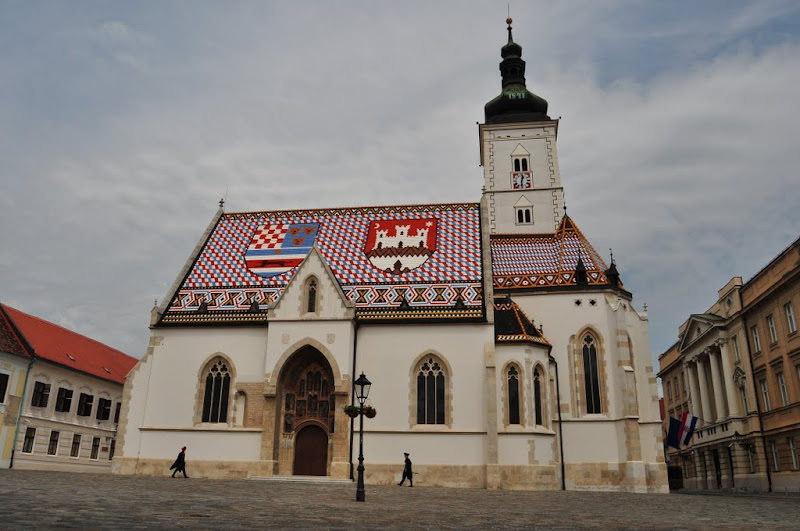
(362, 386)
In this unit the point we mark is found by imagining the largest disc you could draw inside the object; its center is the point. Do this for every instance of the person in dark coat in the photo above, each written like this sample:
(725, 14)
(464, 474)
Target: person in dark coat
(407, 472)
(180, 463)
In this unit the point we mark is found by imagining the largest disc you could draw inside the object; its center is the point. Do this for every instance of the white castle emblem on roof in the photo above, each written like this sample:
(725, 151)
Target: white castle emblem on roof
(398, 246)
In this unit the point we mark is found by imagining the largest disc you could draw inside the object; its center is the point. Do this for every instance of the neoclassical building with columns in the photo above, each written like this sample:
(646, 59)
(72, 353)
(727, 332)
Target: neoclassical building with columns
(737, 368)
(503, 351)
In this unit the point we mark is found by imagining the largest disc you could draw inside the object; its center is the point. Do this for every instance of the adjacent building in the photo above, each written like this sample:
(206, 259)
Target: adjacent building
(737, 368)
(63, 396)
(504, 352)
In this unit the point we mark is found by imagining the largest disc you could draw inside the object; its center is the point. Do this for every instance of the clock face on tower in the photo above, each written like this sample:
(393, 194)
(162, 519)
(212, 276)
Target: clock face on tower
(521, 180)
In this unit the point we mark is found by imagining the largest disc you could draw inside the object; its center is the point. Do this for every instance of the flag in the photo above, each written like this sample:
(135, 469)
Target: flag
(673, 437)
(688, 422)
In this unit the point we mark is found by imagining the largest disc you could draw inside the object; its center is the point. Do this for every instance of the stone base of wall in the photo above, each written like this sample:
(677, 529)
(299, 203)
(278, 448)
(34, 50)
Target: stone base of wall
(633, 476)
(622, 477)
(198, 469)
(506, 477)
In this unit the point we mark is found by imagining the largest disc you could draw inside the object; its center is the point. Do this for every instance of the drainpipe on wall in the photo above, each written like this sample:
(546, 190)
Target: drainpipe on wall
(560, 428)
(758, 402)
(353, 395)
(19, 413)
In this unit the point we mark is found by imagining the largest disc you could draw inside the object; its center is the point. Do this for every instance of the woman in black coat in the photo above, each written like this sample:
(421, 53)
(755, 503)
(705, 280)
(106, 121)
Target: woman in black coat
(180, 463)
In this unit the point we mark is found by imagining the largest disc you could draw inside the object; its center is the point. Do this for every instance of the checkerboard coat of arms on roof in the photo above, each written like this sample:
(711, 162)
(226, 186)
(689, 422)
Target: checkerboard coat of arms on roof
(276, 248)
(399, 245)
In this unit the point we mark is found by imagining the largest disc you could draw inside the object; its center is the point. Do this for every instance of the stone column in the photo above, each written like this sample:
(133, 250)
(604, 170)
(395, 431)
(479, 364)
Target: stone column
(704, 397)
(717, 383)
(694, 390)
(727, 376)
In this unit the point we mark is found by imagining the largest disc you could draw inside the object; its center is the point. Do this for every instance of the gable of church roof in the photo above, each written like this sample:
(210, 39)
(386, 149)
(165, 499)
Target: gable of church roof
(70, 349)
(530, 261)
(392, 262)
(329, 292)
(512, 325)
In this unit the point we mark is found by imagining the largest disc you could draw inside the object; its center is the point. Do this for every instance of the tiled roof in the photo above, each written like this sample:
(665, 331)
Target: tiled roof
(512, 325)
(422, 258)
(64, 347)
(9, 341)
(526, 261)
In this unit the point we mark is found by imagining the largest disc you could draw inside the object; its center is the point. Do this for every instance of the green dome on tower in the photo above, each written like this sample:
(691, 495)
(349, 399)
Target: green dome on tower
(515, 103)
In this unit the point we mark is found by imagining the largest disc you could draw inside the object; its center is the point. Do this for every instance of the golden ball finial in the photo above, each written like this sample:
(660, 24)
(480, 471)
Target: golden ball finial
(509, 21)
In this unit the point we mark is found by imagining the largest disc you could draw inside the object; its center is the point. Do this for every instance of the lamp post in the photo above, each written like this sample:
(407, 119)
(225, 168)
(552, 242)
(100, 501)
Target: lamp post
(362, 386)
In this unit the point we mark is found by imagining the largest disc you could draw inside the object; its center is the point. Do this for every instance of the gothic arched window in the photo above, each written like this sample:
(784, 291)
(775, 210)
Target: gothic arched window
(513, 395)
(217, 392)
(590, 375)
(311, 296)
(430, 391)
(537, 396)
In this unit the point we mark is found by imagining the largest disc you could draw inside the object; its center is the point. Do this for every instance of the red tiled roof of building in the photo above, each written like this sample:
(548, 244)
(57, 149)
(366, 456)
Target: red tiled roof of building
(9, 341)
(70, 349)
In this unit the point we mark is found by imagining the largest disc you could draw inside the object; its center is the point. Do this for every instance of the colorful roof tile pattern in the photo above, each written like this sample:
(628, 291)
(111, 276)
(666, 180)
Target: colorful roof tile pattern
(70, 349)
(394, 262)
(512, 325)
(529, 261)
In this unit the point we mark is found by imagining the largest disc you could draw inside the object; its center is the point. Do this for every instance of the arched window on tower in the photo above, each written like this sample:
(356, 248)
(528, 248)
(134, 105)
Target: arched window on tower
(590, 375)
(513, 395)
(537, 396)
(431, 380)
(517, 165)
(217, 391)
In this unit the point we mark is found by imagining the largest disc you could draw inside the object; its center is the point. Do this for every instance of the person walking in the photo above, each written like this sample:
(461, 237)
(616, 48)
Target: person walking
(180, 463)
(407, 472)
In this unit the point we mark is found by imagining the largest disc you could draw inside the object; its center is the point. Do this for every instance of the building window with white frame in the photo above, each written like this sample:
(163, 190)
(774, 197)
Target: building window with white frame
(103, 409)
(85, 402)
(743, 396)
(782, 387)
(64, 400)
(95, 448)
(75, 451)
(41, 394)
(765, 394)
(793, 452)
(52, 447)
(27, 442)
(776, 459)
(311, 295)
(773, 332)
(524, 215)
(736, 354)
(756, 339)
(683, 382)
(788, 309)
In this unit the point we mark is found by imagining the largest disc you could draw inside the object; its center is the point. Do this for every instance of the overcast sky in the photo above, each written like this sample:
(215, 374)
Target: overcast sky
(122, 124)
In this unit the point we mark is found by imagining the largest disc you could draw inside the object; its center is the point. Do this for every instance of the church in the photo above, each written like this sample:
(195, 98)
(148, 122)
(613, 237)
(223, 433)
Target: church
(503, 351)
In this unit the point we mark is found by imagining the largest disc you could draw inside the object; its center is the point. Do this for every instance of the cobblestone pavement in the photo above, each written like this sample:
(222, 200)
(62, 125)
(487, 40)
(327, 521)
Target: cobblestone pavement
(61, 499)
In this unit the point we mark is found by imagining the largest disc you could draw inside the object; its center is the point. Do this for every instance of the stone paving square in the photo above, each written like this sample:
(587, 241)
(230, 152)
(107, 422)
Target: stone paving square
(34, 499)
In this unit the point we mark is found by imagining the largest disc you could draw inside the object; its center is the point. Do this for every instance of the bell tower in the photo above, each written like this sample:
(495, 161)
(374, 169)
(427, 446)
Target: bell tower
(522, 190)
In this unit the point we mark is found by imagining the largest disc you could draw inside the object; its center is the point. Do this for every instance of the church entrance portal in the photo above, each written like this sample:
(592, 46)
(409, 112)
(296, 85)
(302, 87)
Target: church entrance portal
(311, 452)
(308, 412)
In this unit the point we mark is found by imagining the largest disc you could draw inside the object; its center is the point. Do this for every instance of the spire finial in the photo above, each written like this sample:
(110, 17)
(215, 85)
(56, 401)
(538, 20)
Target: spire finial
(612, 254)
(222, 202)
(509, 20)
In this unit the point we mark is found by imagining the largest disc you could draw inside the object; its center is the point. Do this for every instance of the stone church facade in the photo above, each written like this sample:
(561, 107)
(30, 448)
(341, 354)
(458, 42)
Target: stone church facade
(503, 350)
